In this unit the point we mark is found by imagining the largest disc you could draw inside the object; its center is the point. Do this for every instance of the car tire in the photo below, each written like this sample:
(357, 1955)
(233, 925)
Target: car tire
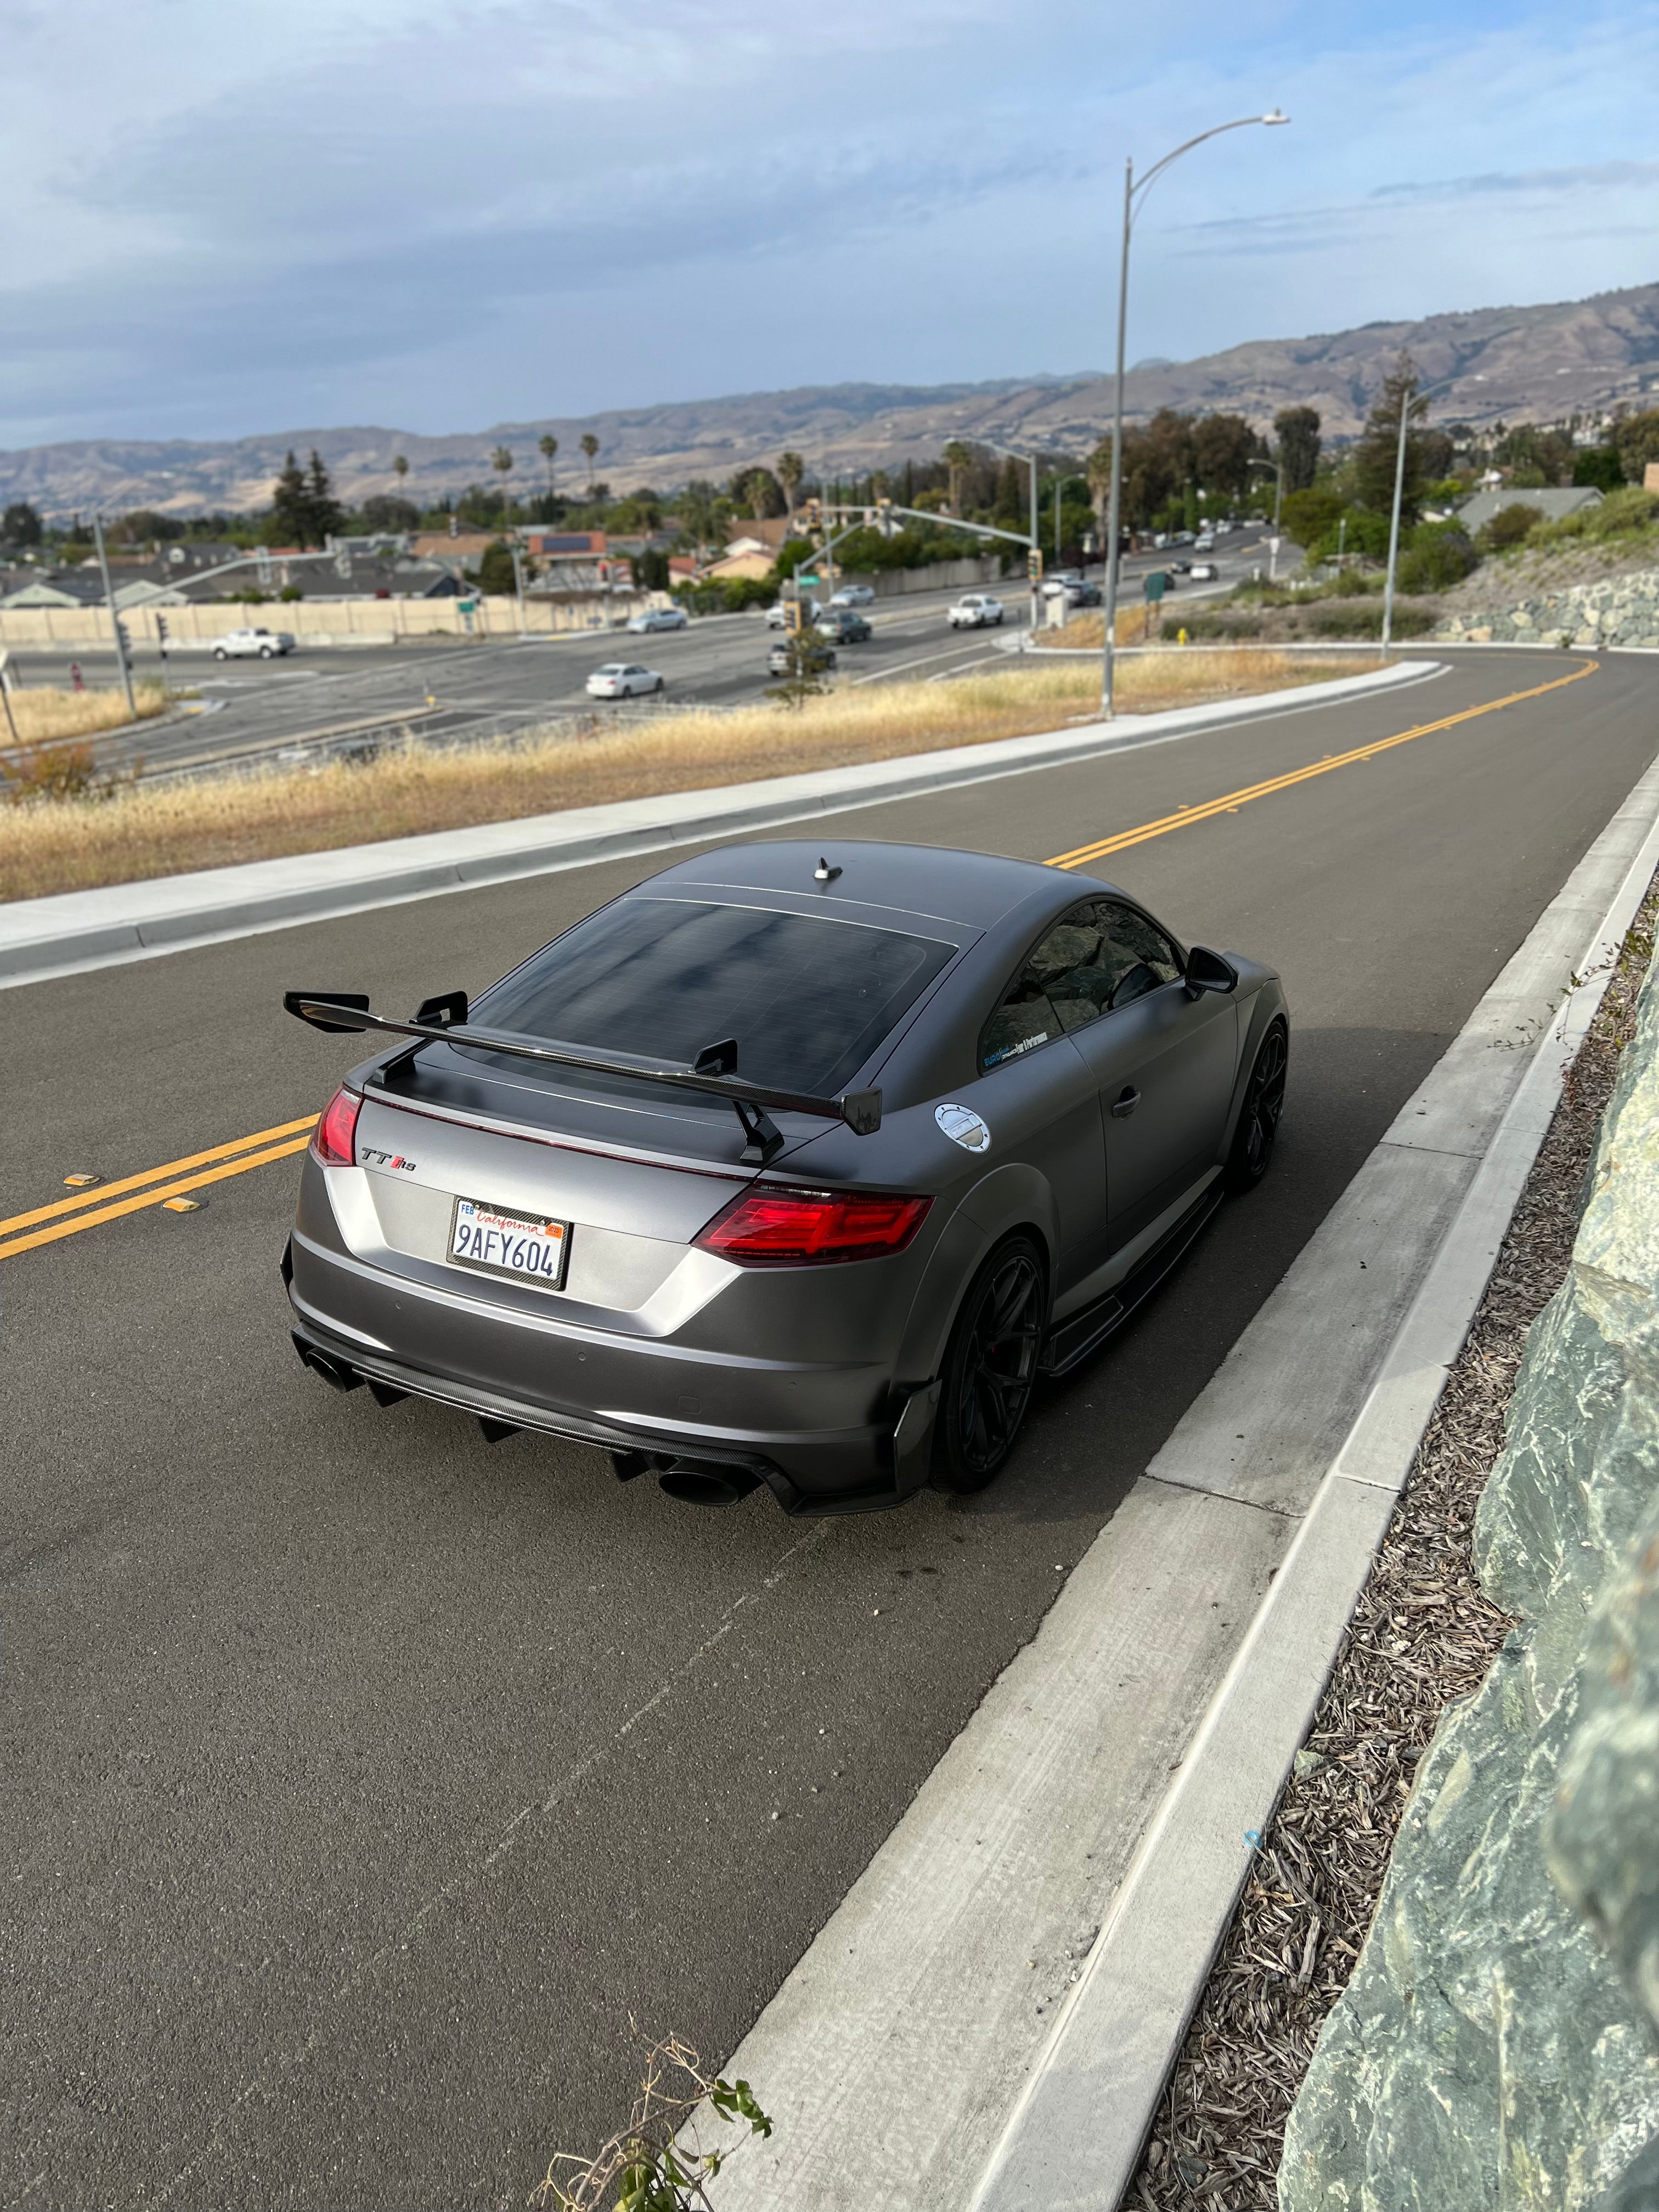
(219, 653)
(264, 652)
(990, 1367)
(1252, 1149)
(659, 687)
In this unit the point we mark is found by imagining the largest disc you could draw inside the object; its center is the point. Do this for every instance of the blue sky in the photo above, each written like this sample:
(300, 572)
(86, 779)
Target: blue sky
(439, 216)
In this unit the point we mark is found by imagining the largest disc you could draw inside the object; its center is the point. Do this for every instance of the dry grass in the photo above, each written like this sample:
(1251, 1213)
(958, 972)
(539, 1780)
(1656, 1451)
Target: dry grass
(157, 830)
(1422, 1634)
(43, 716)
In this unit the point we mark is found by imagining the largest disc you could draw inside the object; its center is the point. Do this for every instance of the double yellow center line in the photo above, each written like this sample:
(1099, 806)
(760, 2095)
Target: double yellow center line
(110, 1200)
(69, 1216)
(1234, 799)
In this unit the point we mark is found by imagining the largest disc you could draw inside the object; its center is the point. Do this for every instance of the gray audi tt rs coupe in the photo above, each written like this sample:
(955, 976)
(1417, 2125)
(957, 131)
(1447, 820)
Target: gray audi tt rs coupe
(785, 1168)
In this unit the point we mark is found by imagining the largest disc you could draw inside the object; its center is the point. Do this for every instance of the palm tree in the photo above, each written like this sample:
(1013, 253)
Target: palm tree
(591, 447)
(400, 466)
(791, 470)
(501, 461)
(958, 461)
(549, 446)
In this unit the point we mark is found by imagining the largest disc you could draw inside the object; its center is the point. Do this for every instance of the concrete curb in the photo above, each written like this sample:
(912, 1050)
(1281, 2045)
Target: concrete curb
(1073, 2140)
(75, 931)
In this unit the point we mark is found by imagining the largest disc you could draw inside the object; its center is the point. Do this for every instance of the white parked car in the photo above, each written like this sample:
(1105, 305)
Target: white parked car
(1204, 542)
(1203, 572)
(651, 618)
(854, 595)
(976, 610)
(622, 679)
(252, 645)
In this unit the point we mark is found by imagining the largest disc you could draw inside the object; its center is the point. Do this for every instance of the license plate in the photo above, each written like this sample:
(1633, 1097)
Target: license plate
(522, 1245)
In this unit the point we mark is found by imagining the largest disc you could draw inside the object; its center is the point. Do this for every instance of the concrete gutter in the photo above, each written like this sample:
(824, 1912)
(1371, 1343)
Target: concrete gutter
(76, 930)
(990, 2016)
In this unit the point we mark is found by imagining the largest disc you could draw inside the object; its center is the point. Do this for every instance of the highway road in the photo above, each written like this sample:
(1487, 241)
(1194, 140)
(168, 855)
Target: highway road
(364, 1779)
(455, 692)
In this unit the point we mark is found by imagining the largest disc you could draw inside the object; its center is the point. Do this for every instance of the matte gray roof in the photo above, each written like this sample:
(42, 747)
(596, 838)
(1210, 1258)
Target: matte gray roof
(974, 888)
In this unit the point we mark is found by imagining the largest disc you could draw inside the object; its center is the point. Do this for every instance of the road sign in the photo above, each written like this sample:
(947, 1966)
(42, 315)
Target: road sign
(1153, 584)
(806, 576)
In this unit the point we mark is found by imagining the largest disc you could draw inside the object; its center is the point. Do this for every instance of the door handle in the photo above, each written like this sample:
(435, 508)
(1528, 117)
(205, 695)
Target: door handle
(1126, 1102)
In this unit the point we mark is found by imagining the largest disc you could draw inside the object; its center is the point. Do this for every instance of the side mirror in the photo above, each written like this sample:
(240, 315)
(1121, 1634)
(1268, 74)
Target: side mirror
(1208, 971)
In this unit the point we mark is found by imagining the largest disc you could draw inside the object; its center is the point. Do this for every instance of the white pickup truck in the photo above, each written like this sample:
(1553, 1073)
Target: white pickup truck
(252, 645)
(976, 610)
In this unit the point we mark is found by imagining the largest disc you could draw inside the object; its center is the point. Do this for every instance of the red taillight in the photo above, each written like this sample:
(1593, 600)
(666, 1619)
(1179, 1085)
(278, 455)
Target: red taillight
(772, 1228)
(334, 1139)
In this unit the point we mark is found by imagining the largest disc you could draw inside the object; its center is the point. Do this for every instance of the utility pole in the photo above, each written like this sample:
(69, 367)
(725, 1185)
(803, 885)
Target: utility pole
(1406, 399)
(518, 585)
(115, 626)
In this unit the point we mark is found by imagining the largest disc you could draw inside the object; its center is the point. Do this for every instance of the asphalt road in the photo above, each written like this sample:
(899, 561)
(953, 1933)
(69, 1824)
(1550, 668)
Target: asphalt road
(362, 1779)
(451, 691)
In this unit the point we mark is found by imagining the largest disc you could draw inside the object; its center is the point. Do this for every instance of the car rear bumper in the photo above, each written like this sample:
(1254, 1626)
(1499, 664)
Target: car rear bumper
(620, 1394)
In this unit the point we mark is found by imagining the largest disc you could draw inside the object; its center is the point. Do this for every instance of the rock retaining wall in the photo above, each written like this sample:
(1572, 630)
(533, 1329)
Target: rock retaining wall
(1619, 611)
(1498, 2044)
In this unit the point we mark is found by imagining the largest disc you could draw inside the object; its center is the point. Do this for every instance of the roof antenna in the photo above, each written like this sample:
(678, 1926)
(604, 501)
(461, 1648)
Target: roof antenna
(824, 873)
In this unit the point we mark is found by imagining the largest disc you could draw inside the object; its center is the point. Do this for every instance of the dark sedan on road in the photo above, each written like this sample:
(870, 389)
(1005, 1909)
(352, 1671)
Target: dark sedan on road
(785, 1169)
(843, 626)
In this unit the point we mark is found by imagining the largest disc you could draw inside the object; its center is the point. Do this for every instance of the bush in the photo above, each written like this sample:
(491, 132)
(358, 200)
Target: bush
(1631, 512)
(496, 569)
(1354, 584)
(1598, 468)
(1510, 527)
(1367, 621)
(1437, 556)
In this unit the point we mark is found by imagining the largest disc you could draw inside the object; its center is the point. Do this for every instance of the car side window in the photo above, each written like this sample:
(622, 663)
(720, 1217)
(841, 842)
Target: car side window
(1101, 956)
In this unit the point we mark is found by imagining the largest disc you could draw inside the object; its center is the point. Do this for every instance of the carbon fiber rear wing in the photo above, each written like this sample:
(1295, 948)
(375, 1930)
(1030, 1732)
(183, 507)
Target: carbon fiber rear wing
(714, 1073)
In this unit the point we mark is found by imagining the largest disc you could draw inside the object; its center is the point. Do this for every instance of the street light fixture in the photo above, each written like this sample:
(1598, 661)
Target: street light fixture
(1133, 192)
(1412, 392)
(1029, 460)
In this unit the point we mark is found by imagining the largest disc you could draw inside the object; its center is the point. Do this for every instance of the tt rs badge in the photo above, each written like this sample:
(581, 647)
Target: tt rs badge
(964, 1127)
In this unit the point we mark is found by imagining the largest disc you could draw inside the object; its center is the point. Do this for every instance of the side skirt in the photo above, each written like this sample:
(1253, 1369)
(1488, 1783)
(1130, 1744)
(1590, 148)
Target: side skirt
(1069, 1345)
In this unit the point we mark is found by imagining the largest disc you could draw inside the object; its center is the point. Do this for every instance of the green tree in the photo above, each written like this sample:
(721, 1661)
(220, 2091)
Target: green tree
(495, 568)
(1509, 527)
(1636, 439)
(1223, 447)
(959, 459)
(1311, 514)
(290, 506)
(384, 510)
(20, 525)
(756, 493)
(1376, 454)
(323, 513)
(501, 461)
(590, 446)
(790, 470)
(1598, 468)
(548, 446)
(1297, 431)
(400, 468)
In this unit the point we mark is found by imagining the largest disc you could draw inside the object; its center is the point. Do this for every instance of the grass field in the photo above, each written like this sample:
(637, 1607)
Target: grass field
(164, 829)
(43, 716)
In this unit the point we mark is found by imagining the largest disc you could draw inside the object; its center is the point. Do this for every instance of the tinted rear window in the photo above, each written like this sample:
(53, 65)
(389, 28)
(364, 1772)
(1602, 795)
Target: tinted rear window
(808, 1000)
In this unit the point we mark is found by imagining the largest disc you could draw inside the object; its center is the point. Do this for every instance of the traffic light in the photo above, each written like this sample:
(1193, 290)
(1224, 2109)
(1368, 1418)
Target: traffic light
(885, 517)
(123, 644)
(812, 514)
(162, 635)
(1034, 564)
(792, 612)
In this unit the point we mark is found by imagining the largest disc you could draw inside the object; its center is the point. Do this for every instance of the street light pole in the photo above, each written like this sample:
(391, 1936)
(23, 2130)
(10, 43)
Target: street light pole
(1131, 193)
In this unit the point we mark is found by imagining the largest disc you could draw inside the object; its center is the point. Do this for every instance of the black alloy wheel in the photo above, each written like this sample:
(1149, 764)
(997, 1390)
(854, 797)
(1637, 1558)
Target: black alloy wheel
(1258, 1118)
(990, 1367)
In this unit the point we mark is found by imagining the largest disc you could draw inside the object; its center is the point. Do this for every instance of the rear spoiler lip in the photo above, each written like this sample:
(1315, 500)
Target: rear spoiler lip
(860, 1110)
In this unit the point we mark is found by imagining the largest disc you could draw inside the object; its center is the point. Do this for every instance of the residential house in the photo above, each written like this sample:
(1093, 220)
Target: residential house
(1552, 501)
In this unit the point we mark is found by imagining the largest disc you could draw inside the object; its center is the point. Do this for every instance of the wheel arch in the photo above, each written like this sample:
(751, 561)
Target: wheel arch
(1267, 1006)
(1012, 1200)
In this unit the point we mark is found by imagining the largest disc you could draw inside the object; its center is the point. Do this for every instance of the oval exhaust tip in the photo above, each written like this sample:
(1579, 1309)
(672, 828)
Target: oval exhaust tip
(707, 1485)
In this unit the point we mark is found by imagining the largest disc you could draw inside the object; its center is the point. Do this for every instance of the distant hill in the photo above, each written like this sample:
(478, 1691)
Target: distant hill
(1515, 364)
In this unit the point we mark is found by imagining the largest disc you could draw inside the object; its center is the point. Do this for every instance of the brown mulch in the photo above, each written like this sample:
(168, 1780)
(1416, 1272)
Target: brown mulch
(1422, 1635)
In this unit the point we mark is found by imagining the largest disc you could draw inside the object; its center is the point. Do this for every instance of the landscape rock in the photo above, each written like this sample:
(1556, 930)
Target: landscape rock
(1614, 610)
(1499, 2042)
